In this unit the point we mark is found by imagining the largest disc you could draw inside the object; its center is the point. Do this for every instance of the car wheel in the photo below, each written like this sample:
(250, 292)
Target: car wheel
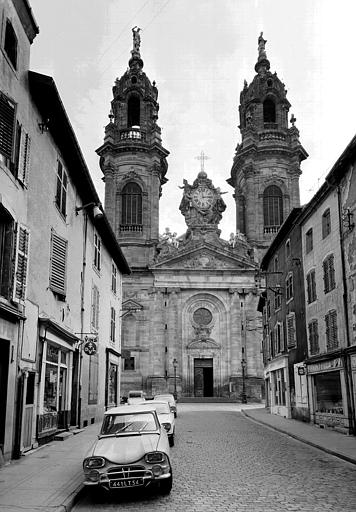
(171, 440)
(165, 486)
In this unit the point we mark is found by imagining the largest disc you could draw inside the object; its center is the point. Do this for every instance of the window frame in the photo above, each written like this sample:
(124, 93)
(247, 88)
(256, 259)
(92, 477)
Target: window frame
(62, 183)
(97, 251)
(289, 284)
(311, 286)
(132, 359)
(58, 264)
(309, 241)
(12, 59)
(113, 278)
(313, 337)
(331, 330)
(329, 273)
(326, 223)
(112, 324)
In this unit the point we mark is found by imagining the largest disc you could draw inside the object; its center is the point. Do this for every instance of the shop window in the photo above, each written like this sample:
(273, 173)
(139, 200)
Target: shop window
(313, 337)
(331, 330)
(280, 387)
(97, 252)
(309, 240)
(329, 273)
(291, 331)
(289, 287)
(328, 393)
(58, 265)
(326, 223)
(112, 384)
(113, 278)
(311, 287)
(95, 308)
(61, 189)
(129, 364)
(55, 387)
(112, 324)
(93, 379)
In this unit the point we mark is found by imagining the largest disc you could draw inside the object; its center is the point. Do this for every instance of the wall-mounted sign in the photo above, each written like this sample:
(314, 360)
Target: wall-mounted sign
(301, 370)
(90, 348)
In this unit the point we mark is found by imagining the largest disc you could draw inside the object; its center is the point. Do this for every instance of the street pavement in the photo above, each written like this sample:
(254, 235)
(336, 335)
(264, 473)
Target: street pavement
(223, 461)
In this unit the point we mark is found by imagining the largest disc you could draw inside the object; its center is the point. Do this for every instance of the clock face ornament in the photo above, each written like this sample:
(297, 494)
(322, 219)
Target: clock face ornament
(203, 197)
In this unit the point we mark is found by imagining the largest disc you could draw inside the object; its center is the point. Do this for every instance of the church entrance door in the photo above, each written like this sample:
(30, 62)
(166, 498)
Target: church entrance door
(203, 377)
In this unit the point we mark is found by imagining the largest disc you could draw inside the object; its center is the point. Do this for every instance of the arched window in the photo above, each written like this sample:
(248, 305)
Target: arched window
(272, 209)
(269, 111)
(131, 213)
(133, 111)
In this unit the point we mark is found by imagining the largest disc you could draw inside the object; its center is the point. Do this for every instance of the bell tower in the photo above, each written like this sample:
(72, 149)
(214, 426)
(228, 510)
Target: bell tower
(266, 167)
(133, 162)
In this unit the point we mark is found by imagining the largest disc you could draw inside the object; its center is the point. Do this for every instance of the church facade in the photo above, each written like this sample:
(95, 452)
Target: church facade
(190, 323)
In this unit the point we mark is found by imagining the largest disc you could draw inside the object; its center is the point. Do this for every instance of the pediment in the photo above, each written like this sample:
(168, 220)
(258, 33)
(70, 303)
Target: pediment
(204, 344)
(131, 305)
(205, 257)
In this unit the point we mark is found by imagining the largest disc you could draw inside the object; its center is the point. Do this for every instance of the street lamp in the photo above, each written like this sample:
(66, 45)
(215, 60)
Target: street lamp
(175, 364)
(243, 366)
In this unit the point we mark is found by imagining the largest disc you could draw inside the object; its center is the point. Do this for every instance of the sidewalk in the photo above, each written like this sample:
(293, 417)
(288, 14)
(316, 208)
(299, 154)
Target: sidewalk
(337, 444)
(48, 478)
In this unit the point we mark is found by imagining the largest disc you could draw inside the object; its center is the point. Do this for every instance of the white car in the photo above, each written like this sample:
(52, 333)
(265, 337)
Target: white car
(132, 450)
(170, 399)
(135, 397)
(165, 417)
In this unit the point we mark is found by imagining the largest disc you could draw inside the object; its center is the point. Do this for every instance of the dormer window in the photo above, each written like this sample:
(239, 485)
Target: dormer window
(269, 111)
(133, 111)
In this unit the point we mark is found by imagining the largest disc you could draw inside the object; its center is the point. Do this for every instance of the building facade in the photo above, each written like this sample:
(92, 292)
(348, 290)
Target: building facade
(191, 300)
(60, 263)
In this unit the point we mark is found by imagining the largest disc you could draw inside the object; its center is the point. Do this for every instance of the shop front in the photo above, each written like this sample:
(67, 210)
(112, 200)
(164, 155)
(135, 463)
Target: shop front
(112, 395)
(55, 387)
(277, 383)
(328, 394)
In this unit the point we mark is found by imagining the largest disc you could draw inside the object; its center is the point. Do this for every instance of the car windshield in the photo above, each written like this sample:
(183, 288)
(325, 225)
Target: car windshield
(123, 423)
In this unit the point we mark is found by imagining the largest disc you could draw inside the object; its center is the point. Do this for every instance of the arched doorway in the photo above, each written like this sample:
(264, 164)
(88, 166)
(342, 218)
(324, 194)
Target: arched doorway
(203, 377)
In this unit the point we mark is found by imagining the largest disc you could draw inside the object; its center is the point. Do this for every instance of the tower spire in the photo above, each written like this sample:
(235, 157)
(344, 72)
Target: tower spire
(262, 64)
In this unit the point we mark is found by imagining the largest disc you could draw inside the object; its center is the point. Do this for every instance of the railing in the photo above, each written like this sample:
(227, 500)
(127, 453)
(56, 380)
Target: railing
(132, 134)
(137, 228)
(272, 135)
(270, 229)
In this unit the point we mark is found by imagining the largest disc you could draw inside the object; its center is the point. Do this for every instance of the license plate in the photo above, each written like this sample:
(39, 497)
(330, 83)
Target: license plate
(132, 482)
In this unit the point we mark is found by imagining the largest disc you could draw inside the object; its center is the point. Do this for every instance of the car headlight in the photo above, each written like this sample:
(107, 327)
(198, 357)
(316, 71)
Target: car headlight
(94, 462)
(155, 457)
(167, 426)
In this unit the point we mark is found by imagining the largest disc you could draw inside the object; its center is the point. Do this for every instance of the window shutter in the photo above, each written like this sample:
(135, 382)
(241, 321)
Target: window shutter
(24, 159)
(21, 264)
(7, 126)
(291, 338)
(58, 269)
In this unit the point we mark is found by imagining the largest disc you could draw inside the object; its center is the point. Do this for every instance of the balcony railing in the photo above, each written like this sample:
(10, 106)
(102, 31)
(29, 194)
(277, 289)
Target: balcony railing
(268, 230)
(134, 228)
(272, 135)
(132, 134)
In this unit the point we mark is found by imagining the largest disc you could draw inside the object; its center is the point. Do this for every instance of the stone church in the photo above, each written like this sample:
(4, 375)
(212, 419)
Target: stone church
(190, 323)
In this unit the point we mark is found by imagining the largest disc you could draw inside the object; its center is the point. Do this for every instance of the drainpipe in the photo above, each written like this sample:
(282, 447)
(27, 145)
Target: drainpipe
(347, 366)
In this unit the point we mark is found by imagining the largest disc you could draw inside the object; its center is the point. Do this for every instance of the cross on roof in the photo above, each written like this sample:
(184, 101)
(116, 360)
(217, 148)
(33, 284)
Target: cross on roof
(202, 157)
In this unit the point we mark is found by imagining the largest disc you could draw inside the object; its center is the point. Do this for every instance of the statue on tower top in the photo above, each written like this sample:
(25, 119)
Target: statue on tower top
(261, 47)
(136, 39)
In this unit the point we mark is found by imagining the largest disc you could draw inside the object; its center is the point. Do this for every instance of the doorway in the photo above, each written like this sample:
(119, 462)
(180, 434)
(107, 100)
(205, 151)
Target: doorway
(203, 377)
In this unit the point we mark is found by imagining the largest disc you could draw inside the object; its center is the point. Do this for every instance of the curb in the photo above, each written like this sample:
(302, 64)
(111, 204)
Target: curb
(302, 439)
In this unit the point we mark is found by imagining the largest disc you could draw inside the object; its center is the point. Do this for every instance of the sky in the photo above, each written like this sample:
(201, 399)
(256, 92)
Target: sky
(199, 52)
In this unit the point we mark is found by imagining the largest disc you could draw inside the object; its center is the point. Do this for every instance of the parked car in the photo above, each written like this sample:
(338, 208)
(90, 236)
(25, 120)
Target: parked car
(165, 416)
(170, 399)
(135, 397)
(132, 450)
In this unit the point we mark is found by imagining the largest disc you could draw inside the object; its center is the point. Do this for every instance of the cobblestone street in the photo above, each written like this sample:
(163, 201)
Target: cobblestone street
(223, 461)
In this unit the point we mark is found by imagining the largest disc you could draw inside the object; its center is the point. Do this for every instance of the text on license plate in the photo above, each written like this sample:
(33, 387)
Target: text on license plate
(132, 482)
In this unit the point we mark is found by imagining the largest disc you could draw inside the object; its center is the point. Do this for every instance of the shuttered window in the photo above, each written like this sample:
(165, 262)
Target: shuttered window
(93, 379)
(7, 128)
(289, 287)
(313, 337)
(24, 157)
(309, 240)
(113, 325)
(311, 287)
(326, 223)
(7, 252)
(97, 252)
(61, 191)
(58, 264)
(291, 332)
(329, 273)
(95, 308)
(21, 263)
(331, 330)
